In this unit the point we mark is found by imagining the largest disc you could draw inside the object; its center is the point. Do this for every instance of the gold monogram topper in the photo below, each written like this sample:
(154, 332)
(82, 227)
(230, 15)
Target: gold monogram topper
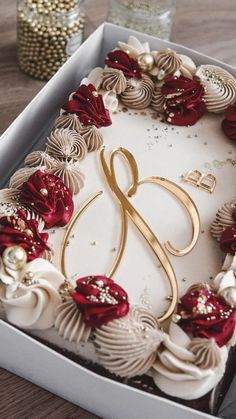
(201, 180)
(128, 212)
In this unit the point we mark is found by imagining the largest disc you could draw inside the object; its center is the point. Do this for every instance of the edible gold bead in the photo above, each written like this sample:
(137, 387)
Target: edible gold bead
(145, 62)
(44, 191)
(66, 288)
(176, 318)
(29, 232)
(14, 257)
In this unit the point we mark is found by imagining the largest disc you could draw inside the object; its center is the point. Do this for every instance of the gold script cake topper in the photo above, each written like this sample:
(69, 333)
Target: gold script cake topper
(128, 211)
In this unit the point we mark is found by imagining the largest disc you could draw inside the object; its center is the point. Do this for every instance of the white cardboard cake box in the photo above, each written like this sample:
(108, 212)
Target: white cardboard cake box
(24, 355)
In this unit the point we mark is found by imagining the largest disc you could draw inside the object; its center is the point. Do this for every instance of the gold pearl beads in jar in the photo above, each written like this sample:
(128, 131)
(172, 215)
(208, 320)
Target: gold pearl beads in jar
(49, 31)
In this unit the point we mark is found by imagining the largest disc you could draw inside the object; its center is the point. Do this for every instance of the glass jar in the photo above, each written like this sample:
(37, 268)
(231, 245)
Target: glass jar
(49, 31)
(153, 17)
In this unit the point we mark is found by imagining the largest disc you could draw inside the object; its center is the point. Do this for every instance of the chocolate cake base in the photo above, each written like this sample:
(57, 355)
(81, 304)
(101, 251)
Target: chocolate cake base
(146, 383)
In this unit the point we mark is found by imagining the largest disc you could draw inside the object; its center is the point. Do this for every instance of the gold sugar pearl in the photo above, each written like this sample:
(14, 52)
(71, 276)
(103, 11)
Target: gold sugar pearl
(48, 32)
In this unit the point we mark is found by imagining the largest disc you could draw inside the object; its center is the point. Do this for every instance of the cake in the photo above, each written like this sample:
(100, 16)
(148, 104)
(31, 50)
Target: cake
(83, 266)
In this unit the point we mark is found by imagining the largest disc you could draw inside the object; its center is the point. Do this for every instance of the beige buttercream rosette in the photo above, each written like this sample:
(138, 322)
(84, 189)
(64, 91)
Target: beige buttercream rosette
(220, 87)
(224, 218)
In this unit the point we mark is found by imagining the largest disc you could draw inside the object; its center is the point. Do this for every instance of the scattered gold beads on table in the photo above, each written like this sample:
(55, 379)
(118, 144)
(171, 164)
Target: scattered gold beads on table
(49, 31)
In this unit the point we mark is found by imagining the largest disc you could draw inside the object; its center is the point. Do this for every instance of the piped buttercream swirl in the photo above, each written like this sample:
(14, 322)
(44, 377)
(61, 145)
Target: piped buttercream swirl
(114, 80)
(92, 137)
(9, 201)
(188, 370)
(70, 173)
(158, 100)
(39, 158)
(138, 94)
(127, 346)
(22, 175)
(224, 218)
(220, 87)
(10, 204)
(65, 144)
(31, 304)
(69, 322)
(69, 120)
(168, 63)
(206, 352)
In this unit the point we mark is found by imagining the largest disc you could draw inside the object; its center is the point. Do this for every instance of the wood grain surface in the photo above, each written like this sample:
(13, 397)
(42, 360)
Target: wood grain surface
(207, 26)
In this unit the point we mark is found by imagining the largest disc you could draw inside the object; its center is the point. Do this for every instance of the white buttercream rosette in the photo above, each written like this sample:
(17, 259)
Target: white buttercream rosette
(178, 371)
(30, 296)
(225, 285)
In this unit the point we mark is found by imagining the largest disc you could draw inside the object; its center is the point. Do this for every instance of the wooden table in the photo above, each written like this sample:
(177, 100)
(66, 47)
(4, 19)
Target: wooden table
(207, 26)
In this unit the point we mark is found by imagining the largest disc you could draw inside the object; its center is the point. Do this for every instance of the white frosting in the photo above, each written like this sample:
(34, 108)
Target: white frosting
(134, 47)
(177, 370)
(94, 77)
(127, 346)
(227, 262)
(110, 100)
(226, 279)
(9, 277)
(31, 215)
(225, 285)
(188, 67)
(31, 306)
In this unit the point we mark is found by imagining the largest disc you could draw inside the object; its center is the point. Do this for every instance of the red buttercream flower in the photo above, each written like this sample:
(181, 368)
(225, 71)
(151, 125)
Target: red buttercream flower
(89, 106)
(229, 123)
(17, 230)
(49, 197)
(100, 300)
(184, 100)
(228, 240)
(206, 314)
(122, 61)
